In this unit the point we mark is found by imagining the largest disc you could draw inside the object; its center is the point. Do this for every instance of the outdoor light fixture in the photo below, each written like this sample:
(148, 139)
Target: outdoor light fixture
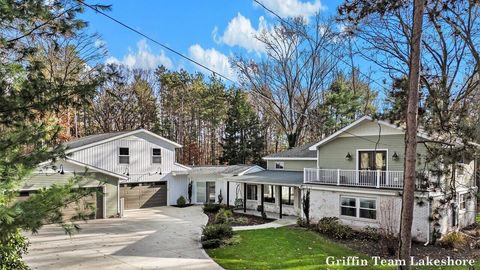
(348, 156)
(395, 156)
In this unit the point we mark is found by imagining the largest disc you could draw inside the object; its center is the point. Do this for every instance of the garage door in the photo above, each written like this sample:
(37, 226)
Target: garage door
(89, 207)
(144, 195)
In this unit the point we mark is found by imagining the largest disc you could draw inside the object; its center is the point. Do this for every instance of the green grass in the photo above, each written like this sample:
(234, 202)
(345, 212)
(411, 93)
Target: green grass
(478, 218)
(286, 248)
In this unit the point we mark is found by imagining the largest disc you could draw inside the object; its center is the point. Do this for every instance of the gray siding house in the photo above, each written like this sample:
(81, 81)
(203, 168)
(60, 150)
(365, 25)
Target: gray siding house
(356, 174)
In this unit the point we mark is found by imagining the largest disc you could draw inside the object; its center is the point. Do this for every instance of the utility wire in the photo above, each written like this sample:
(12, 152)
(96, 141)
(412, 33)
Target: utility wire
(155, 41)
(323, 47)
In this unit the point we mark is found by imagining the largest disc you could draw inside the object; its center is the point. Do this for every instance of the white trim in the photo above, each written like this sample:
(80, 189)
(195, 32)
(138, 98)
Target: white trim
(105, 201)
(355, 123)
(357, 158)
(289, 158)
(78, 163)
(182, 166)
(122, 136)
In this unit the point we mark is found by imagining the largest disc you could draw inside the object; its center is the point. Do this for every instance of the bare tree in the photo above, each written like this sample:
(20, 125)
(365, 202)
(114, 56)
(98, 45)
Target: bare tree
(300, 61)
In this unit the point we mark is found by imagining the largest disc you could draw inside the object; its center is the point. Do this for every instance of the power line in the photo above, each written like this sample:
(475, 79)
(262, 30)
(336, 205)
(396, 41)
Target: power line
(154, 41)
(323, 47)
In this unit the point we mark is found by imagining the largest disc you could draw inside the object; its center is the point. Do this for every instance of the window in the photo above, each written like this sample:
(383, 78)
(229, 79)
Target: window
(156, 155)
(358, 207)
(279, 165)
(368, 209)
(269, 194)
(348, 206)
(124, 155)
(462, 201)
(251, 192)
(287, 195)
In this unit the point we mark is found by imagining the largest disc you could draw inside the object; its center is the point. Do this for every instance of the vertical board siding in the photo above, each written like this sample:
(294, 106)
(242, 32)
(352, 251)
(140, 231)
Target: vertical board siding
(105, 156)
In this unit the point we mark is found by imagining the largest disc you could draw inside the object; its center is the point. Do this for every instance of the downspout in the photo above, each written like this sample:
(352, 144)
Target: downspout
(429, 205)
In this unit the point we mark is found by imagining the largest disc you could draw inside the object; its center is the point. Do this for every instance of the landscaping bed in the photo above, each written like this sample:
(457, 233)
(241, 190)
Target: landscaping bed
(239, 219)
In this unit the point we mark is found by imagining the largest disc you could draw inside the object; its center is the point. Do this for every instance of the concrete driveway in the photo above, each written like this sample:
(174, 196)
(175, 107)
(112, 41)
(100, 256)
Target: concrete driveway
(153, 238)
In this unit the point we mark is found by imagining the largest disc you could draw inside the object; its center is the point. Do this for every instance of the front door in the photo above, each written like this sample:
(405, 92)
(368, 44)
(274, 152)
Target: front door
(372, 165)
(206, 192)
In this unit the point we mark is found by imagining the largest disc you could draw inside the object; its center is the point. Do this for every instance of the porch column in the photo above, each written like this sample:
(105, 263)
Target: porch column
(261, 197)
(228, 194)
(280, 200)
(244, 197)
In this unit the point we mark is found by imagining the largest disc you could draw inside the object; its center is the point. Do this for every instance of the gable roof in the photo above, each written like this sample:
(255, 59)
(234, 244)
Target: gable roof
(302, 152)
(96, 139)
(356, 123)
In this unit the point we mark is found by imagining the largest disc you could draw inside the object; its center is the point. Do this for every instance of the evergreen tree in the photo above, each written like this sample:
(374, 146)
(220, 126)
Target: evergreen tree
(243, 142)
(28, 136)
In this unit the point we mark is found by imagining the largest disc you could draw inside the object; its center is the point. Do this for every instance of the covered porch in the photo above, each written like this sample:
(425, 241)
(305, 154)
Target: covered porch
(273, 192)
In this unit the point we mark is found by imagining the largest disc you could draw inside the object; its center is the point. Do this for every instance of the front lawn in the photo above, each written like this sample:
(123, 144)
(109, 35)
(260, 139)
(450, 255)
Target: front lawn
(286, 248)
(282, 248)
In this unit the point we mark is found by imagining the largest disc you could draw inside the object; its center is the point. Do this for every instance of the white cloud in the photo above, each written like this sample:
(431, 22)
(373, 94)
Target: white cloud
(142, 58)
(293, 8)
(240, 32)
(212, 59)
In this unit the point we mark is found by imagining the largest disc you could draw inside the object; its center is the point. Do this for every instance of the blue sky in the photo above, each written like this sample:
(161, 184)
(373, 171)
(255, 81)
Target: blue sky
(208, 31)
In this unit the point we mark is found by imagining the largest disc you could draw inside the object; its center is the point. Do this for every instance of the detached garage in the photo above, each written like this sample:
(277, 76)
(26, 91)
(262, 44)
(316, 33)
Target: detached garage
(144, 195)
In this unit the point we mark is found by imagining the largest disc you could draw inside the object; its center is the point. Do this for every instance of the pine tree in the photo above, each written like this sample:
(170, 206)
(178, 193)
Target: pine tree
(243, 142)
(27, 135)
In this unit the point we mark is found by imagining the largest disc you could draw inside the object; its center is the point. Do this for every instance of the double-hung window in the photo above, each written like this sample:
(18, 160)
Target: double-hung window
(156, 155)
(358, 207)
(124, 155)
(287, 195)
(251, 192)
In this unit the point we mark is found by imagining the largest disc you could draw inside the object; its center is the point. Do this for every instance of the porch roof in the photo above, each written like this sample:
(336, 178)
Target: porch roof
(271, 177)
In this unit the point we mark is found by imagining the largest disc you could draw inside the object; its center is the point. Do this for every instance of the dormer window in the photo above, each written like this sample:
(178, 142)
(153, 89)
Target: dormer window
(124, 155)
(156, 155)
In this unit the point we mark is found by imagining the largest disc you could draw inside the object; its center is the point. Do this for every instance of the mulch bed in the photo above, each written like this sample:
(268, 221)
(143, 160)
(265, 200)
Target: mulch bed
(186, 205)
(419, 250)
(251, 220)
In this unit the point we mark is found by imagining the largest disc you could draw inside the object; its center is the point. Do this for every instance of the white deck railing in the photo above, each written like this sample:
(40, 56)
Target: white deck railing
(361, 178)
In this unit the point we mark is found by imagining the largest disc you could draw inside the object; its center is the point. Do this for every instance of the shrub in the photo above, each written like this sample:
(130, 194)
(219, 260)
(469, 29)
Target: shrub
(212, 243)
(370, 233)
(223, 216)
(453, 240)
(241, 220)
(181, 202)
(332, 226)
(217, 231)
(211, 208)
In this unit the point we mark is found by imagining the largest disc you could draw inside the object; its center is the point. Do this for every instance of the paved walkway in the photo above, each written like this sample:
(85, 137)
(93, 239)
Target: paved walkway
(285, 221)
(274, 224)
(153, 238)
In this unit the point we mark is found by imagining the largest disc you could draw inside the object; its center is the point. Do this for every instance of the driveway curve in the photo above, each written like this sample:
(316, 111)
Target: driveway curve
(153, 238)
